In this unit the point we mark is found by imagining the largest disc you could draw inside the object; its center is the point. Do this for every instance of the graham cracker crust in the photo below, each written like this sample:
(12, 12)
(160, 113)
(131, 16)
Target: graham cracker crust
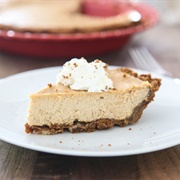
(101, 124)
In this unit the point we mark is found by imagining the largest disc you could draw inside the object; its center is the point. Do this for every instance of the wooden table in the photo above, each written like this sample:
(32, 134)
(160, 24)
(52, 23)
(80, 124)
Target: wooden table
(20, 163)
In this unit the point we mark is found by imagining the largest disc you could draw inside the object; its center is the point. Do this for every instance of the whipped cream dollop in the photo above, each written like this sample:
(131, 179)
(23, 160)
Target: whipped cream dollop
(78, 74)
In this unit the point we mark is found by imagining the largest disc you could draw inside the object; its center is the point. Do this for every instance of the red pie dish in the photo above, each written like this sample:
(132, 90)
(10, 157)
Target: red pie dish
(77, 44)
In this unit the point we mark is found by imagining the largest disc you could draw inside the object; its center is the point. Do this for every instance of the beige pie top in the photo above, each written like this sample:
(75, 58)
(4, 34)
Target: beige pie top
(55, 17)
(121, 82)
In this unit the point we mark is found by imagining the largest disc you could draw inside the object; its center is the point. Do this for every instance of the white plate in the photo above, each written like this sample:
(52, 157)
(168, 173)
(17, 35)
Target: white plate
(158, 128)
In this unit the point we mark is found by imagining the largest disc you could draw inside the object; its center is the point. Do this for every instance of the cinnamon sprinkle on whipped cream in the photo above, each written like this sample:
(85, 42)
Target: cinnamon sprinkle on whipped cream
(78, 74)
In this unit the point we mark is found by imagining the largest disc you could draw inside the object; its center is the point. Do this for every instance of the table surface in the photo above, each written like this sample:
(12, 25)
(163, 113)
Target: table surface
(19, 163)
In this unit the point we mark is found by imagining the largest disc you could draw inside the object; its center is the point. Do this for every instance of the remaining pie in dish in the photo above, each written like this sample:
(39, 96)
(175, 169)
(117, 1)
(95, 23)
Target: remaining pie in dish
(90, 96)
(54, 16)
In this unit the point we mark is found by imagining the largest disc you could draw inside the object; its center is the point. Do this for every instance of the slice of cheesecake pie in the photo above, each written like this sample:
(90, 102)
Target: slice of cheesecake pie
(90, 96)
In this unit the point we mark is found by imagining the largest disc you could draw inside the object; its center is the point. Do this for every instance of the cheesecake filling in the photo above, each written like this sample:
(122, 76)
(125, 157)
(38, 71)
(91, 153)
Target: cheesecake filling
(78, 74)
(62, 110)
